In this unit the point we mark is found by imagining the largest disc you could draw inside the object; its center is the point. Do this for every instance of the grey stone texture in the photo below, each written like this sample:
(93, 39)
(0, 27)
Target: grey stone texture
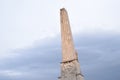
(70, 67)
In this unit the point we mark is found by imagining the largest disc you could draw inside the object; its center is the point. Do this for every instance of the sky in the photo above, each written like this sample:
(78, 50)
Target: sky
(30, 42)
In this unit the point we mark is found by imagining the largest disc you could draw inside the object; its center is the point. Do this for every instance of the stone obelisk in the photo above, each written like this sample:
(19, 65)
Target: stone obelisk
(70, 67)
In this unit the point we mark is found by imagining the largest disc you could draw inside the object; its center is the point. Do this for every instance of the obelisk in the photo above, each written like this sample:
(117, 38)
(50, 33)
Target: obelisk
(70, 67)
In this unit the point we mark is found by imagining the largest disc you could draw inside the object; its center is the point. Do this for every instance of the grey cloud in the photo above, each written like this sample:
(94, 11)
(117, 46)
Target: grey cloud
(99, 59)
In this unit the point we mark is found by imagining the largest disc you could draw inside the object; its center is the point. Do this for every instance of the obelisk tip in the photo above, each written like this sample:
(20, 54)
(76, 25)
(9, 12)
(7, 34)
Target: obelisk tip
(62, 9)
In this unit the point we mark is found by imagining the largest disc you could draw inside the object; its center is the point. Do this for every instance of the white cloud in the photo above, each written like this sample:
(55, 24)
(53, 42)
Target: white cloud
(26, 21)
(11, 73)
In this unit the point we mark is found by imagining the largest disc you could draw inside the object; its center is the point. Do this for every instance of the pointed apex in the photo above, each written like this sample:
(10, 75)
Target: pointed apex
(68, 51)
(62, 9)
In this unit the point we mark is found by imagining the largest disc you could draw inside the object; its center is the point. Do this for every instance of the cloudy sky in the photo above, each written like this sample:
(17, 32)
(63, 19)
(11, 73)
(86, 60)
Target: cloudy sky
(30, 43)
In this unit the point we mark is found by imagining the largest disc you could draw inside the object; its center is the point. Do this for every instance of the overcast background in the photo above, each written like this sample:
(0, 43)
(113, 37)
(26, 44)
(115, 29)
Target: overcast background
(30, 43)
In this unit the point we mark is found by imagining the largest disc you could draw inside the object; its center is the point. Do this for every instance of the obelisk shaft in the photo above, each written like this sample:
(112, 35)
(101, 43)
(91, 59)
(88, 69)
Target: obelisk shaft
(68, 51)
(70, 67)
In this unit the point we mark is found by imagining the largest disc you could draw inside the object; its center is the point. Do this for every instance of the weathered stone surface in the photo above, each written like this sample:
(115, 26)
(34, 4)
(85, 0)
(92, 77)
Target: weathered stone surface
(68, 51)
(71, 71)
(70, 67)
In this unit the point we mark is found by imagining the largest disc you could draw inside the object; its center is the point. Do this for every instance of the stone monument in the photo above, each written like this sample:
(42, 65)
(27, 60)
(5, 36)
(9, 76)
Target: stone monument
(70, 67)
